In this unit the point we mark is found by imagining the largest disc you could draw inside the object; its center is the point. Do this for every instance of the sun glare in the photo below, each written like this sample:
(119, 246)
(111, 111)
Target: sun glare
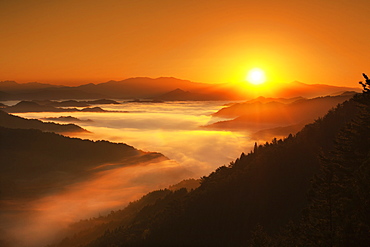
(256, 76)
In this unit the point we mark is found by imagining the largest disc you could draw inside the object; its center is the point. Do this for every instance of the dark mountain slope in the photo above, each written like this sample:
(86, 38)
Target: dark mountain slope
(11, 121)
(339, 198)
(266, 187)
(86, 231)
(34, 163)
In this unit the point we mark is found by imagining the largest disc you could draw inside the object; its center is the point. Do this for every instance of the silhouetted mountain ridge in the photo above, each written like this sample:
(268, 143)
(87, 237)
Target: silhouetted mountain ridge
(140, 87)
(11, 90)
(31, 159)
(149, 88)
(11, 121)
(17, 87)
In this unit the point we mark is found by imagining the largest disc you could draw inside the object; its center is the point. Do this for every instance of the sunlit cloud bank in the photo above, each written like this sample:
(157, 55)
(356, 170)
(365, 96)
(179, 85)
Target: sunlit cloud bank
(198, 150)
(172, 129)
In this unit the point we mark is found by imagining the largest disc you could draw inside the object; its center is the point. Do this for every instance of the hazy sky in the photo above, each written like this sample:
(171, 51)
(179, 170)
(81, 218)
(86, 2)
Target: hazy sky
(80, 41)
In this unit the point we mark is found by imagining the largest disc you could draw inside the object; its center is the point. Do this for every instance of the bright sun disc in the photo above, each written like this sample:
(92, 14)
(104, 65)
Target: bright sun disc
(256, 76)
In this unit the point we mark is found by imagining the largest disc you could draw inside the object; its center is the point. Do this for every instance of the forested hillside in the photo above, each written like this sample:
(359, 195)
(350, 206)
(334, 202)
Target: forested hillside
(249, 201)
(31, 159)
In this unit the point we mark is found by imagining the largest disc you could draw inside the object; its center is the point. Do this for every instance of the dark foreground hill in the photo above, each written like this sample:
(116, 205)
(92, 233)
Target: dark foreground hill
(11, 121)
(94, 227)
(34, 163)
(244, 203)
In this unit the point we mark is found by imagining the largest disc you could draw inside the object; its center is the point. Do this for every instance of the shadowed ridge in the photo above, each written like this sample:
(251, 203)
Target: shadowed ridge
(11, 121)
(35, 162)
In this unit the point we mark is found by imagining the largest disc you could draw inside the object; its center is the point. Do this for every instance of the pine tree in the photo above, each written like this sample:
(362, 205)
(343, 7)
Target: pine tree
(255, 148)
(366, 84)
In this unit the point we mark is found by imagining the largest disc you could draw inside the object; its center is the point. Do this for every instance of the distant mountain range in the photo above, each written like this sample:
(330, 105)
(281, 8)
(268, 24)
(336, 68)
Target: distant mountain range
(277, 116)
(11, 90)
(163, 88)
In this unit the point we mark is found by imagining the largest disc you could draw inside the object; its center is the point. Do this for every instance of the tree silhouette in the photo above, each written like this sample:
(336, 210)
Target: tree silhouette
(366, 84)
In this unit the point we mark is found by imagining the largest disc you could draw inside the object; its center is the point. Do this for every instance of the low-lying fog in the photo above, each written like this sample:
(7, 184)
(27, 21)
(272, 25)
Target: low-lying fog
(171, 128)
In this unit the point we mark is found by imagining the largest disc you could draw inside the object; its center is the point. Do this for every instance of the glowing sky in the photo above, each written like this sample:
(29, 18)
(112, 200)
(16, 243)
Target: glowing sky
(80, 41)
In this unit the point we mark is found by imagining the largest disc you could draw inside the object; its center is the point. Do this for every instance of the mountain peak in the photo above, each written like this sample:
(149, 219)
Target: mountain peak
(178, 90)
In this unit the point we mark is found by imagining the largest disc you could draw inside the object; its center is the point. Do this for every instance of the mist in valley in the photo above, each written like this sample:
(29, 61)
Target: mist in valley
(173, 129)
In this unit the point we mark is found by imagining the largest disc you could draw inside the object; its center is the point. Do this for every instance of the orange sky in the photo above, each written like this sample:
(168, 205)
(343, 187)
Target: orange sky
(81, 41)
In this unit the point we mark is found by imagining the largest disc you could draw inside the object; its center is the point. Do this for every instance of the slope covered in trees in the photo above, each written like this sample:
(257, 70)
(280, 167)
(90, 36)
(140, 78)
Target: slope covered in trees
(339, 198)
(88, 230)
(246, 202)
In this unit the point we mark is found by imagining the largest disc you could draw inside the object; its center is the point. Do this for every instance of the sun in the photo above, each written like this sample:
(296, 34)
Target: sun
(256, 76)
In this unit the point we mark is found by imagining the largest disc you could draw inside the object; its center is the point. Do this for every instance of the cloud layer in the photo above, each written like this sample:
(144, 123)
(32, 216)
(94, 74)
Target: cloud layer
(168, 128)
